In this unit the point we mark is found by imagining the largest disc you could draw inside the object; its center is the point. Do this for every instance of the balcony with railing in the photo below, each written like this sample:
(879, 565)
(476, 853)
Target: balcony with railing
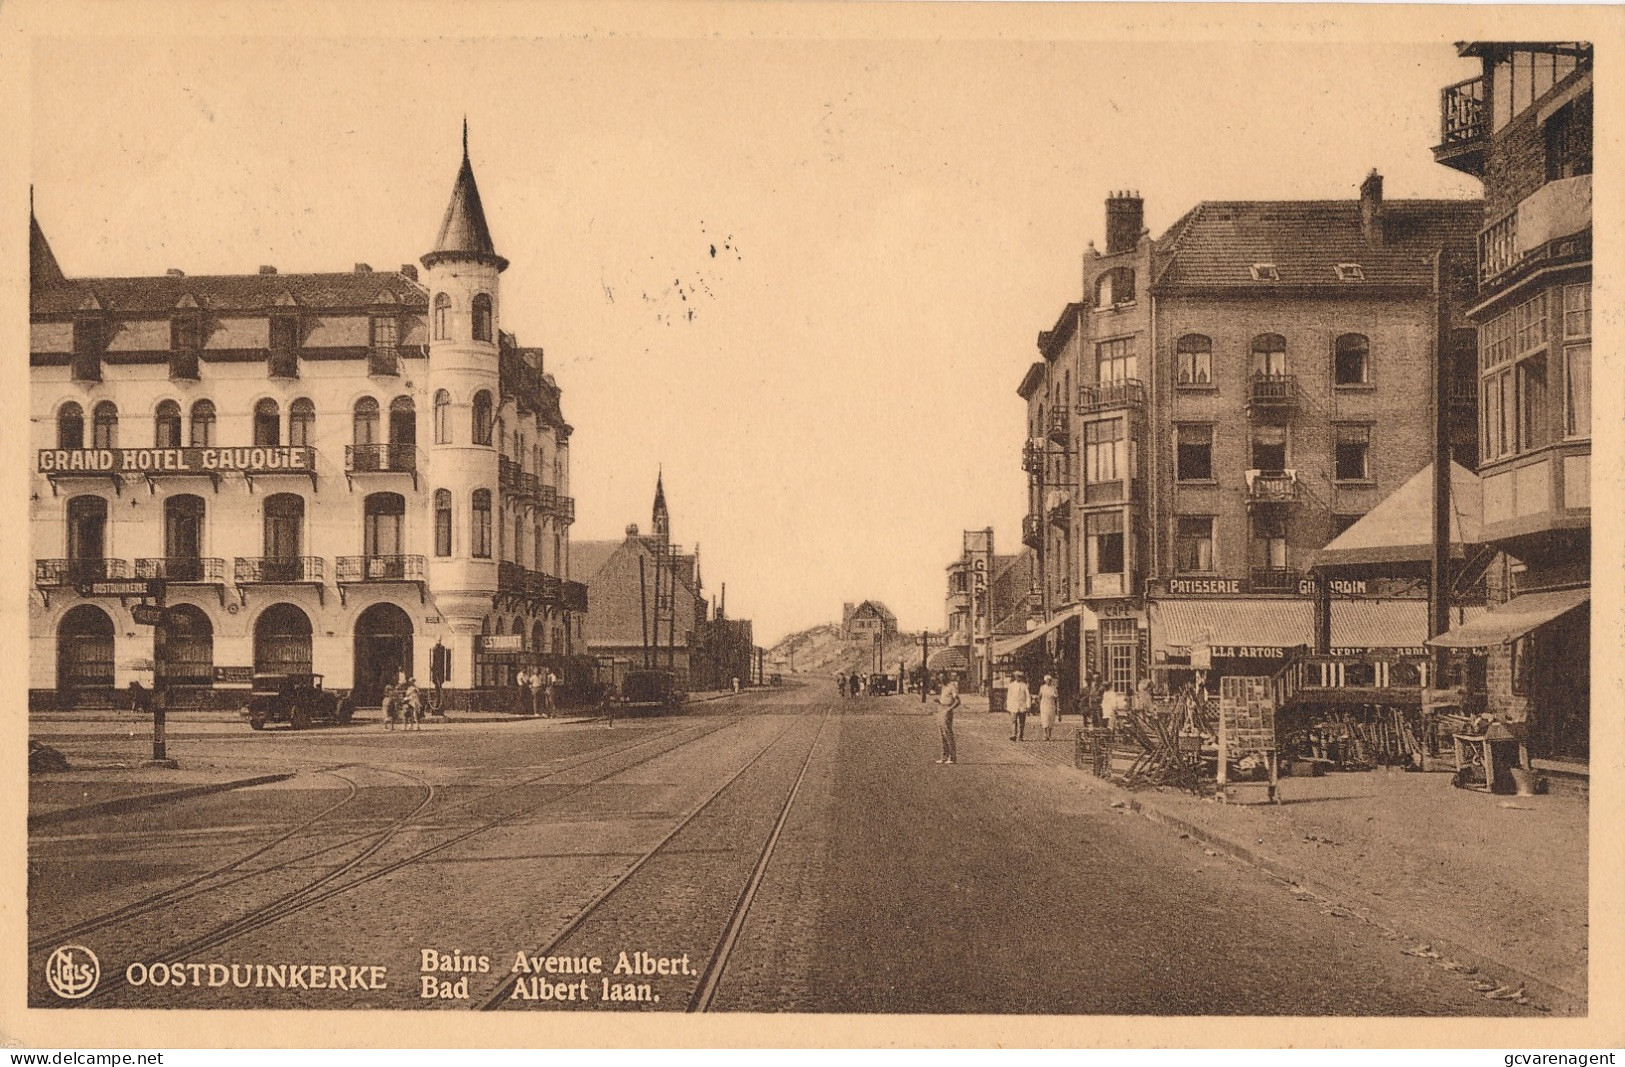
(1272, 487)
(279, 570)
(547, 498)
(530, 485)
(183, 570)
(1060, 427)
(1273, 580)
(507, 476)
(542, 587)
(355, 570)
(511, 578)
(566, 509)
(1117, 393)
(1463, 126)
(1032, 457)
(1549, 227)
(60, 573)
(1032, 530)
(1538, 492)
(1272, 395)
(380, 459)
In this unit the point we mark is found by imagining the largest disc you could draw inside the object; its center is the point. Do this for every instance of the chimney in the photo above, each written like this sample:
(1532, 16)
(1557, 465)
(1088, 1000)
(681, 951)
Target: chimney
(1125, 218)
(410, 270)
(631, 529)
(363, 268)
(175, 272)
(1371, 208)
(266, 268)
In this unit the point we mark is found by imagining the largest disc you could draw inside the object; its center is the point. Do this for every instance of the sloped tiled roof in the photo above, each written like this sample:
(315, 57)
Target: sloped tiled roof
(1216, 243)
(159, 295)
(43, 271)
(463, 230)
(587, 558)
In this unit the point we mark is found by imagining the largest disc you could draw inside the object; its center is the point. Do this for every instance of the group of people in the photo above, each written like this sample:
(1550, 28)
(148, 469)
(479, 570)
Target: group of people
(857, 685)
(1019, 699)
(538, 685)
(403, 701)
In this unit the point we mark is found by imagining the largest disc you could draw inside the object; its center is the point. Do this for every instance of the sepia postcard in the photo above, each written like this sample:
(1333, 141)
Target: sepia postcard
(812, 524)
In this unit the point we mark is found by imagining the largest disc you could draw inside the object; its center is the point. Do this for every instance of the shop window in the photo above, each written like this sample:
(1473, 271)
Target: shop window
(302, 423)
(203, 424)
(442, 522)
(442, 316)
(267, 424)
(70, 426)
(1269, 355)
(482, 317)
(104, 425)
(1195, 457)
(1103, 533)
(1352, 359)
(480, 528)
(1194, 356)
(442, 416)
(1193, 543)
(1353, 448)
(1359, 674)
(482, 418)
(166, 425)
(1269, 449)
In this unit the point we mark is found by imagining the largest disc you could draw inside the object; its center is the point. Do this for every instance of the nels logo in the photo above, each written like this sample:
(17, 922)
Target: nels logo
(72, 972)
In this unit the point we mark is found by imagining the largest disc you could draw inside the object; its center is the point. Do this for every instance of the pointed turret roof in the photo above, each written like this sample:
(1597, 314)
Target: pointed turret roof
(43, 270)
(463, 232)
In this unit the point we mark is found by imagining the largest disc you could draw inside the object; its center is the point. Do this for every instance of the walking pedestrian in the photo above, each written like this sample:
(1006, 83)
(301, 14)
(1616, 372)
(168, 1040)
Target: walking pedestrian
(1049, 705)
(1142, 697)
(840, 683)
(412, 706)
(736, 683)
(392, 708)
(1111, 707)
(537, 682)
(548, 700)
(1017, 699)
(947, 701)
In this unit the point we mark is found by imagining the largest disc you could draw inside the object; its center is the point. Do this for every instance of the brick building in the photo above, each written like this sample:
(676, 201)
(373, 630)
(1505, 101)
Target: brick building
(253, 450)
(1524, 128)
(1224, 401)
(866, 621)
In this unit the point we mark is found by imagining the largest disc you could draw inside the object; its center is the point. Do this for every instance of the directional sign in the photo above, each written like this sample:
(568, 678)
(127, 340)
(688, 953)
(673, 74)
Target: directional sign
(147, 614)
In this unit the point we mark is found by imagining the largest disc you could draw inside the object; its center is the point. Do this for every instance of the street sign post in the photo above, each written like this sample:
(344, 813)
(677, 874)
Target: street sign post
(148, 615)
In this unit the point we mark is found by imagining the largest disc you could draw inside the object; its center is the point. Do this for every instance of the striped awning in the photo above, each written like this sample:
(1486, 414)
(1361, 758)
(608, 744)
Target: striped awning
(1386, 624)
(1009, 646)
(952, 658)
(1232, 623)
(1509, 621)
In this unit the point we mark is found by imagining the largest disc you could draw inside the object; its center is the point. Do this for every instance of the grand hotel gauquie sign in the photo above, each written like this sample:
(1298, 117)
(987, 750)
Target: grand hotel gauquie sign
(295, 459)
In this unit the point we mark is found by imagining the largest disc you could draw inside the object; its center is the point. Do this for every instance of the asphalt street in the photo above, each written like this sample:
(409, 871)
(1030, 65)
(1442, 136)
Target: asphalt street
(780, 851)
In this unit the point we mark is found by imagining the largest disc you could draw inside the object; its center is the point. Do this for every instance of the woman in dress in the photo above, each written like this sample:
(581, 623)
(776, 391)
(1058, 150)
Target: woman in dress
(1049, 704)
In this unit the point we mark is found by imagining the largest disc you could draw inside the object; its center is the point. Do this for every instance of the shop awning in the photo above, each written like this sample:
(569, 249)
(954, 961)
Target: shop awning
(1009, 646)
(1237, 625)
(1509, 621)
(1400, 528)
(952, 658)
(1386, 624)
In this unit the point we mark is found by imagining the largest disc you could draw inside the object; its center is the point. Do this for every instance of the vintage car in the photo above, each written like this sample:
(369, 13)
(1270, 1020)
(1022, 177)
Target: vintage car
(296, 699)
(650, 688)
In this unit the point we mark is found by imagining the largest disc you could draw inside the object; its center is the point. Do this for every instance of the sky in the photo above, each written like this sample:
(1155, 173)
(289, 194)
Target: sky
(802, 278)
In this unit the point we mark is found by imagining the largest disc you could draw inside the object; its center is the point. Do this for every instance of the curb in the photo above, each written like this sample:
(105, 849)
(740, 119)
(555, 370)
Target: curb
(120, 805)
(1560, 998)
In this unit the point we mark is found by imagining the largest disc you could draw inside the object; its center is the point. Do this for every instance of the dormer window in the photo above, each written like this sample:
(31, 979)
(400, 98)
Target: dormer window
(87, 350)
(1114, 287)
(1264, 272)
(1350, 272)
(284, 361)
(183, 333)
(383, 358)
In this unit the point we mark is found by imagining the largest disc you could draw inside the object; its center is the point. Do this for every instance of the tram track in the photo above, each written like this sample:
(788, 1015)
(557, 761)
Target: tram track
(715, 967)
(314, 893)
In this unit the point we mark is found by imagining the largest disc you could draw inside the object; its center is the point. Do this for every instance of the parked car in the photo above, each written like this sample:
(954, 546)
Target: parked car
(296, 699)
(651, 688)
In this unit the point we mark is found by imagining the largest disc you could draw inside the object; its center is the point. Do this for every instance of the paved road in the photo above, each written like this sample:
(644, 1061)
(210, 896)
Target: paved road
(997, 885)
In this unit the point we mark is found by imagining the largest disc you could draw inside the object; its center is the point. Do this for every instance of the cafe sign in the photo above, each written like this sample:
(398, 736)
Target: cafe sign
(293, 459)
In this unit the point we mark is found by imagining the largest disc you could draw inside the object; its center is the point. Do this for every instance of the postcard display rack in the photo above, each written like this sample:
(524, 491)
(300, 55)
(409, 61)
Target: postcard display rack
(1247, 728)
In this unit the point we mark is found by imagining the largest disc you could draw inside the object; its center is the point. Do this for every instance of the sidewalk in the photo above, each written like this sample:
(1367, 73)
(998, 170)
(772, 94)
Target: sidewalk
(1492, 881)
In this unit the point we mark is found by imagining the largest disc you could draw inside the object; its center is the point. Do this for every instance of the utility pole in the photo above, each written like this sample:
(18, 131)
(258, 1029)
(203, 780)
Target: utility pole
(925, 654)
(643, 614)
(987, 674)
(1439, 586)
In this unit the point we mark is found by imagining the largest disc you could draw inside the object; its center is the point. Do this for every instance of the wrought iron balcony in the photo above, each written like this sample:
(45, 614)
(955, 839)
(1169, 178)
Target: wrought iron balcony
(573, 596)
(1032, 530)
(547, 497)
(358, 569)
(1117, 393)
(567, 509)
(1272, 487)
(1060, 427)
(183, 569)
(1273, 580)
(508, 476)
(378, 459)
(1032, 457)
(1463, 126)
(58, 573)
(1272, 394)
(511, 578)
(543, 587)
(530, 485)
(279, 570)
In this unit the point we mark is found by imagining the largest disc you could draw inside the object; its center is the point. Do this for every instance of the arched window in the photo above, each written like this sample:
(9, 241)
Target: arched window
(284, 536)
(203, 424)
(442, 316)
(104, 425)
(482, 317)
(1194, 355)
(1114, 287)
(482, 418)
(442, 417)
(84, 649)
(183, 538)
(70, 426)
(183, 647)
(1351, 361)
(301, 422)
(87, 536)
(366, 421)
(442, 522)
(267, 423)
(282, 641)
(1269, 355)
(403, 421)
(166, 425)
(384, 517)
(480, 529)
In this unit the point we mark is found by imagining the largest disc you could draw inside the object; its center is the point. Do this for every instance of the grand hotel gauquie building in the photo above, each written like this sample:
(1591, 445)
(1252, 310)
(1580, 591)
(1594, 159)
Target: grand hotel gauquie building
(355, 475)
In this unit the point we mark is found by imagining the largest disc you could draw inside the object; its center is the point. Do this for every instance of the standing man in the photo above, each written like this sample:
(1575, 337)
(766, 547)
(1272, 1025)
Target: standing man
(549, 698)
(947, 701)
(1017, 699)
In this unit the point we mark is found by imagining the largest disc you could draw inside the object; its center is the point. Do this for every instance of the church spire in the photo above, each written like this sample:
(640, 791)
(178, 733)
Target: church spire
(464, 233)
(661, 519)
